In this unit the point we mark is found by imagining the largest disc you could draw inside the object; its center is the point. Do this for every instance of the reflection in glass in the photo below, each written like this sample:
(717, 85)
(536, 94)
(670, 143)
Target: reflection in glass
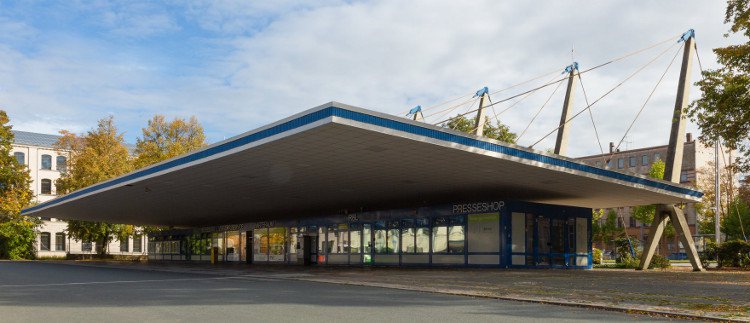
(260, 245)
(407, 236)
(233, 243)
(355, 244)
(380, 238)
(456, 238)
(276, 240)
(439, 239)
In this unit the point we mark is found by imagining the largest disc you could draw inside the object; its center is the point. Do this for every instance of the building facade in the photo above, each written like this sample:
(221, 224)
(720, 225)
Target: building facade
(697, 158)
(46, 164)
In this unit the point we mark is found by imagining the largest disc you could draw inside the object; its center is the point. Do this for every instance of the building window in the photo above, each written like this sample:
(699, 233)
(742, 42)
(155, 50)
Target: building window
(644, 160)
(124, 247)
(632, 161)
(86, 246)
(20, 157)
(60, 241)
(448, 235)
(46, 162)
(609, 163)
(44, 241)
(137, 242)
(61, 163)
(620, 163)
(632, 222)
(657, 156)
(46, 186)
(683, 176)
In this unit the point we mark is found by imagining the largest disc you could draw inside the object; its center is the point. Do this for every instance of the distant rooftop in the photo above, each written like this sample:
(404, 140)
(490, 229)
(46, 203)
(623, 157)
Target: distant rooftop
(34, 139)
(45, 140)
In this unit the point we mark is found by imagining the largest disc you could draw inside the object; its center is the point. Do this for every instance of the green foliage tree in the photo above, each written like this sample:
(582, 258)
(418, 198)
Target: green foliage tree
(95, 157)
(736, 223)
(163, 140)
(722, 110)
(604, 226)
(645, 213)
(17, 233)
(498, 131)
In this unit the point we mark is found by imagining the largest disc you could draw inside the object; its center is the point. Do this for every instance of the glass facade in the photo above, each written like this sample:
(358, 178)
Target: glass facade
(524, 234)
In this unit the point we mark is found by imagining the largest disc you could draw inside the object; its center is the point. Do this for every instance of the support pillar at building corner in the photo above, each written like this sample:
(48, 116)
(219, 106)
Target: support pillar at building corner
(673, 168)
(483, 94)
(561, 144)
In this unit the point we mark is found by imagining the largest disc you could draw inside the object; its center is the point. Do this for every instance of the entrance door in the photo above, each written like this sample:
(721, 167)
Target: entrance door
(310, 249)
(557, 243)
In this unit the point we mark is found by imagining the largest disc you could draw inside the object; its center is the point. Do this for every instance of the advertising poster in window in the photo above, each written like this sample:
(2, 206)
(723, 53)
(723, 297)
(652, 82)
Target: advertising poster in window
(484, 232)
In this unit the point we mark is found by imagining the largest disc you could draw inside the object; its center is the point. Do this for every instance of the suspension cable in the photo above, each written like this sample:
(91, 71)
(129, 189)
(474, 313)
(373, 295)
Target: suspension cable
(591, 114)
(619, 58)
(539, 111)
(612, 153)
(605, 94)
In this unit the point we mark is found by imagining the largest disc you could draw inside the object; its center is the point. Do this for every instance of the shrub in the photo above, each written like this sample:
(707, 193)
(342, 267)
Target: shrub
(596, 254)
(708, 254)
(734, 254)
(17, 239)
(659, 261)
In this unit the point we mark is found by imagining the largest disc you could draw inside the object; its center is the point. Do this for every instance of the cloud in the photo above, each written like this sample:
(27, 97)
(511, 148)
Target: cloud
(239, 65)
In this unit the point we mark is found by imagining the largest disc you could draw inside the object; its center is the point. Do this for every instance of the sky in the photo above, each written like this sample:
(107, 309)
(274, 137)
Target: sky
(238, 65)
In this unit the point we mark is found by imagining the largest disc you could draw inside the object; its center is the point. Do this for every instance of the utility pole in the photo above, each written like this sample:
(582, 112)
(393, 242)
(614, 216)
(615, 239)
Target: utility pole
(717, 191)
(483, 94)
(673, 168)
(561, 145)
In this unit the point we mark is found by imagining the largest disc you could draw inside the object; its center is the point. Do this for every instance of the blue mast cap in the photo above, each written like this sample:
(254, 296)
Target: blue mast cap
(481, 92)
(686, 35)
(414, 110)
(570, 68)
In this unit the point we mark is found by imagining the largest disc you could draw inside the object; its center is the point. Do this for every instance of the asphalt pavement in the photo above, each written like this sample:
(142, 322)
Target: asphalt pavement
(53, 292)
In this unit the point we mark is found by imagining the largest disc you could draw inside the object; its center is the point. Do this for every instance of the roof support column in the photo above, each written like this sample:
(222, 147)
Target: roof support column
(673, 168)
(561, 144)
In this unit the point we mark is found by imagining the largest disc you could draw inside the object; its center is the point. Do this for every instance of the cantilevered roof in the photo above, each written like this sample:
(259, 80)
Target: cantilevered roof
(337, 157)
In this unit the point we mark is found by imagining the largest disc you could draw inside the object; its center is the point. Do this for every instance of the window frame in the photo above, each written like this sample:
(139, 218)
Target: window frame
(21, 155)
(620, 163)
(139, 240)
(125, 243)
(60, 241)
(644, 160)
(42, 245)
(64, 163)
(632, 162)
(48, 159)
(45, 182)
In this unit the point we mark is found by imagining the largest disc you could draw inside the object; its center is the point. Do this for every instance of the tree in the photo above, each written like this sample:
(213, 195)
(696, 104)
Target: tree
(722, 111)
(604, 231)
(98, 156)
(17, 233)
(706, 181)
(736, 223)
(646, 213)
(498, 131)
(163, 140)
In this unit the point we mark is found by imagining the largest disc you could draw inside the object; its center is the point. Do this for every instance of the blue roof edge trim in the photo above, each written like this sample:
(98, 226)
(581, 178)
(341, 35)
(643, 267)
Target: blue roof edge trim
(333, 111)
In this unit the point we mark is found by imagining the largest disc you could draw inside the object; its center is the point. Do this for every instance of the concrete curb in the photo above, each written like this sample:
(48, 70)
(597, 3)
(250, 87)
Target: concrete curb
(600, 306)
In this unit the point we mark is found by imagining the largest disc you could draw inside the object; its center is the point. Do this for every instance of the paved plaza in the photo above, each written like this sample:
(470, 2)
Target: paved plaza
(61, 292)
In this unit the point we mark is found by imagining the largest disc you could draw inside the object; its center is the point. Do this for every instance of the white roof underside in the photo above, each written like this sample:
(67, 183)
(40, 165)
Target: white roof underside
(347, 161)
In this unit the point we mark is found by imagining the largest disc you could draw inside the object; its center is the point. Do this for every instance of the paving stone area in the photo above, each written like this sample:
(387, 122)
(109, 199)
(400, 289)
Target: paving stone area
(713, 294)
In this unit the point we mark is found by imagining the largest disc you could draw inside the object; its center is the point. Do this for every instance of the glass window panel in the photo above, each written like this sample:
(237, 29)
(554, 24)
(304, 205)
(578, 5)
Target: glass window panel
(380, 236)
(422, 240)
(321, 240)
(393, 237)
(333, 241)
(20, 157)
(124, 247)
(644, 160)
(408, 236)
(518, 235)
(456, 238)
(582, 236)
(46, 186)
(233, 244)
(620, 163)
(571, 236)
(632, 162)
(260, 245)
(61, 163)
(44, 241)
(342, 239)
(293, 244)
(355, 244)
(60, 241)
(46, 162)
(530, 261)
(276, 243)
(137, 243)
(440, 239)
(657, 156)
